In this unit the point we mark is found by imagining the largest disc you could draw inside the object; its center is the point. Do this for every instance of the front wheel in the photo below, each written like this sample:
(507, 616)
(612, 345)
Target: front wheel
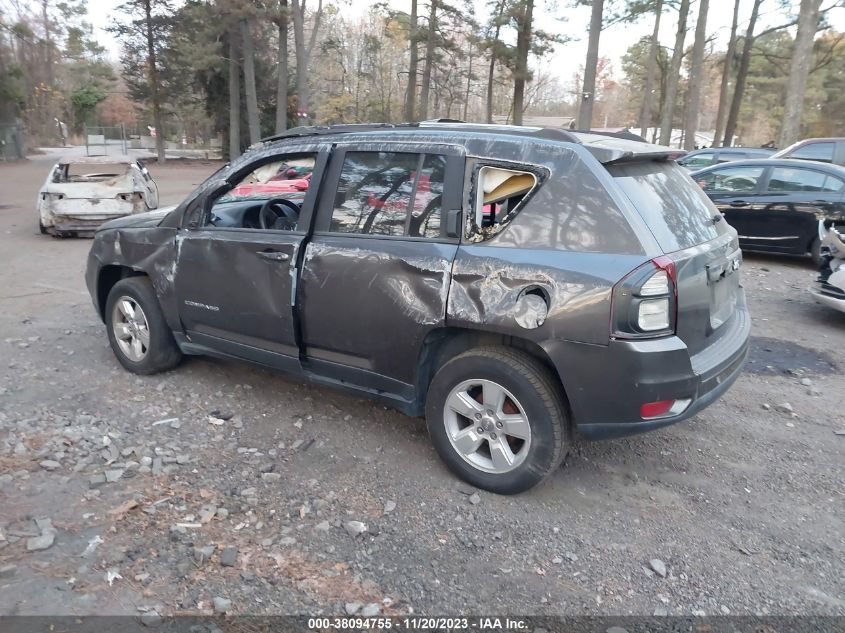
(497, 419)
(138, 333)
(816, 251)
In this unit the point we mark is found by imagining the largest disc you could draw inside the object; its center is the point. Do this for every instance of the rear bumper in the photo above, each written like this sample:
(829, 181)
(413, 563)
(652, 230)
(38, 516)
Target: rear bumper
(607, 385)
(79, 224)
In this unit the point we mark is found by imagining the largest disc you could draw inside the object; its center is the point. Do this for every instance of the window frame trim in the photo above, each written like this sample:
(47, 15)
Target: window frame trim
(452, 185)
(307, 210)
(799, 168)
(759, 189)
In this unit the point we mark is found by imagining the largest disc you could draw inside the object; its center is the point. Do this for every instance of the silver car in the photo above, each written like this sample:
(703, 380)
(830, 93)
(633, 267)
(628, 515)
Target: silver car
(81, 193)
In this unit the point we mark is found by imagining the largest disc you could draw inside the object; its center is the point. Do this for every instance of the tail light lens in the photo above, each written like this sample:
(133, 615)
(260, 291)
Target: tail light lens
(645, 301)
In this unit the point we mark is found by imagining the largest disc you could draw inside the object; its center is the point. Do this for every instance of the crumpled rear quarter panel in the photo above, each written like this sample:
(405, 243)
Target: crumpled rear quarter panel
(571, 239)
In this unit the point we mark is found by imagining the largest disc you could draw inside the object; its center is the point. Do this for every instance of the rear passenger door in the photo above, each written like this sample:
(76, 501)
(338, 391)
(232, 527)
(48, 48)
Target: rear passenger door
(376, 273)
(793, 197)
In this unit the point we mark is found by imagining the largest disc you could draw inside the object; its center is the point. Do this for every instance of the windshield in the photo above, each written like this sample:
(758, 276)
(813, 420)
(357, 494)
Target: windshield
(272, 179)
(678, 213)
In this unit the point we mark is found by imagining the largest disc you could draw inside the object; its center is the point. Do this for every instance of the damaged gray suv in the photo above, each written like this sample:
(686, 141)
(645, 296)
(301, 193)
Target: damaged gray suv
(517, 286)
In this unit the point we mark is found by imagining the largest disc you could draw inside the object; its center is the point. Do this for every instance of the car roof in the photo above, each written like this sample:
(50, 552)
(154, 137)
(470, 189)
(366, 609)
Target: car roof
(817, 139)
(731, 150)
(834, 170)
(607, 147)
(95, 160)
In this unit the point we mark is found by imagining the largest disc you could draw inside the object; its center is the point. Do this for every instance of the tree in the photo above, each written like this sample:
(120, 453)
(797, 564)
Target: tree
(672, 81)
(249, 82)
(802, 57)
(741, 75)
(585, 112)
(726, 75)
(85, 102)
(429, 58)
(282, 69)
(149, 20)
(651, 71)
(496, 50)
(635, 66)
(304, 49)
(695, 77)
(413, 55)
(234, 98)
(524, 19)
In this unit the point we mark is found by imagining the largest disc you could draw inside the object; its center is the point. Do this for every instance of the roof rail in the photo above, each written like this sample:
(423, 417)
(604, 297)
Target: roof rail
(340, 128)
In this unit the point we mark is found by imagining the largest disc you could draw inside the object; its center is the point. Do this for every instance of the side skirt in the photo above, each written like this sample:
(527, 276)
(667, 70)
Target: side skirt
(393, 393)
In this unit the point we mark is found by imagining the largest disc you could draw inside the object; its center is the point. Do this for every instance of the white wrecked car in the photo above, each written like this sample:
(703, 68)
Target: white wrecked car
(82, 192)
(830, 288)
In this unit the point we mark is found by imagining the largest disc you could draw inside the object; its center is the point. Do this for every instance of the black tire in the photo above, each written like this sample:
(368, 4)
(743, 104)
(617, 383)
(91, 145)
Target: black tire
(162, 352)
(816, 251)
(537, 391)
(41, 227)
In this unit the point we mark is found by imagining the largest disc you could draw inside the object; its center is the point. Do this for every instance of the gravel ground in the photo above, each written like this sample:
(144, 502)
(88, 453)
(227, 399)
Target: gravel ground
(222, 487)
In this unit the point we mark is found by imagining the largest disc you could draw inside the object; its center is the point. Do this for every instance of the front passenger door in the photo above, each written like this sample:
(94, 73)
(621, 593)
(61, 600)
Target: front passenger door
(734, 190)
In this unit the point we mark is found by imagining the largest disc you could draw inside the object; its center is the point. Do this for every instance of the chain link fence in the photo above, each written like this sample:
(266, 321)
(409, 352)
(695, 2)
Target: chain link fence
(12, 142)
(105, 140)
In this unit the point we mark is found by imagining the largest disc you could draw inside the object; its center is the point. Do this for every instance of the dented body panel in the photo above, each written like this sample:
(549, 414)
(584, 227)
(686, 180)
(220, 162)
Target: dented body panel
(829, 289)
(82, 193)
(373, 312)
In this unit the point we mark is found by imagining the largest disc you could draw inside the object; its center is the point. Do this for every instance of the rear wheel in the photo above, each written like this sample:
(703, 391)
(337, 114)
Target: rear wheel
(497, 419)
(137, 330)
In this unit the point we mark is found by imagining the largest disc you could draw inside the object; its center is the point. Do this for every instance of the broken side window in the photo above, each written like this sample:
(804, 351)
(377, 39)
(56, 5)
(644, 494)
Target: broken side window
(499, 193)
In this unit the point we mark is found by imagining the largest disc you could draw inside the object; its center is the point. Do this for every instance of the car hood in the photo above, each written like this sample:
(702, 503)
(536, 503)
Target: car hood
(138, 220)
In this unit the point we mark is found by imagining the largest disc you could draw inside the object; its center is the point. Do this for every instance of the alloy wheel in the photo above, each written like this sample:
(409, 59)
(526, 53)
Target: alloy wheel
(130, 327)
(487, 426)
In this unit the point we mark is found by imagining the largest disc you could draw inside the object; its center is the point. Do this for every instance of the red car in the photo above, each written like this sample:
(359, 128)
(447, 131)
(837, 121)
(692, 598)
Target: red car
(286, 182)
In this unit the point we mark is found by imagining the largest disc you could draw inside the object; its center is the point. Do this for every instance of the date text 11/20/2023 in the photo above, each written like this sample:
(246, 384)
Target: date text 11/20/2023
(421, 623)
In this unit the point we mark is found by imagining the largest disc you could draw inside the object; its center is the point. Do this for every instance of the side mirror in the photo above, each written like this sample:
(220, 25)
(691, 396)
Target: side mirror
(453, 223)
(339, 198)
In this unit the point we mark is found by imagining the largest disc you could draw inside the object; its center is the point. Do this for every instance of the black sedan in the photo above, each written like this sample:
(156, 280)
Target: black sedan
(701, 158)
(775, 204)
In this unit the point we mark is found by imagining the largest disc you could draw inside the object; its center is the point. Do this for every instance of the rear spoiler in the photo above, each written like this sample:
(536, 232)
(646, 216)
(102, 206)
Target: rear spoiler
(612, 149)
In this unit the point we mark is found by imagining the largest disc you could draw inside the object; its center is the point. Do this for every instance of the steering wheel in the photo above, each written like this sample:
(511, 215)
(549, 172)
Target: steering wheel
(278, 214)
(740, 183)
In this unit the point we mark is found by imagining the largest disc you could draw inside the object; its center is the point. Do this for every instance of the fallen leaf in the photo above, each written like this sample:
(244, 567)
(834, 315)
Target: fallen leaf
(123, 508)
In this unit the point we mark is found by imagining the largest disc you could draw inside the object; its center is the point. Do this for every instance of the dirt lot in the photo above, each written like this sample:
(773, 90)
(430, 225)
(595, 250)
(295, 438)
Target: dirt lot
(124, 494)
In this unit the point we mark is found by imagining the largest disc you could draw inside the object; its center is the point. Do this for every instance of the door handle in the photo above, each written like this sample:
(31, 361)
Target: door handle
(274, 256)
(738, 203)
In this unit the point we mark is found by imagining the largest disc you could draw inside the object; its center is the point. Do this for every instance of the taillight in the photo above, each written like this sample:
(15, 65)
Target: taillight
(644, 302)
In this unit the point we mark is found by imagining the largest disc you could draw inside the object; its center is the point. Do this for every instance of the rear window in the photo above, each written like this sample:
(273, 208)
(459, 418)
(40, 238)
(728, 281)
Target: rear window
(822, 152)
(678, 213)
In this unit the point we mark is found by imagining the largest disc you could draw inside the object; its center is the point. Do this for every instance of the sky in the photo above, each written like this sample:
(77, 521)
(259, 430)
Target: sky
(570, 22)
